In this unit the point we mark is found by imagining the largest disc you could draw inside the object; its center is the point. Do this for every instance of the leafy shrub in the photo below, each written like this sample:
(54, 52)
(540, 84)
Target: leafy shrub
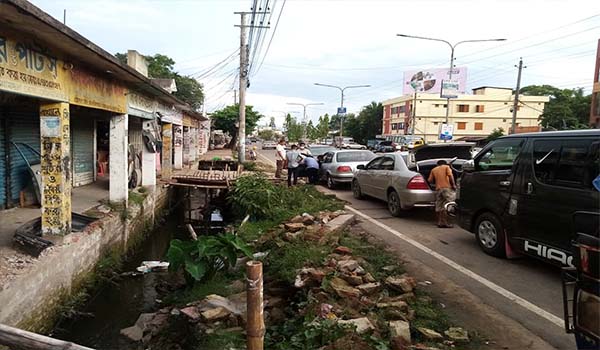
(201, 259)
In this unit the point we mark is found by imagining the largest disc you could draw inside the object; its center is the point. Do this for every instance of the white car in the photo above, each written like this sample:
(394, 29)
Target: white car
(352, 145)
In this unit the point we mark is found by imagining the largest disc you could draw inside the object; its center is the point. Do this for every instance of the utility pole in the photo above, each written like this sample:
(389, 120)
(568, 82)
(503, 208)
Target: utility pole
(244, 82)
(513, 128)
(234, 96)
(414, 115)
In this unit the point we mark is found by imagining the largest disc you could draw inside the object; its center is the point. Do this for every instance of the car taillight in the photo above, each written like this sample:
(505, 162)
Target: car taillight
(417, 183)
(344, 169)
(393, 144)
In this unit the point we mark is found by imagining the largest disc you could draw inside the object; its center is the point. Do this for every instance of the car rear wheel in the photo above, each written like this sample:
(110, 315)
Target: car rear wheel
(356, 191)
(394, 205)
(490, 235)
(330, 183)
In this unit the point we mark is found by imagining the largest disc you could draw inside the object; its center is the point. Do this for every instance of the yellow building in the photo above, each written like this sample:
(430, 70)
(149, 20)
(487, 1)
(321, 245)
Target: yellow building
(478, 114)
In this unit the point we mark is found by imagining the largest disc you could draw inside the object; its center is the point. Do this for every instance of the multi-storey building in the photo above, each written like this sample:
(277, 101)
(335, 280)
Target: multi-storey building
(595, 110)
(488, 108)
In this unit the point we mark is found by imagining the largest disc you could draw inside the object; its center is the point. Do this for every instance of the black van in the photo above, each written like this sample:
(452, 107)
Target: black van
(521, 192)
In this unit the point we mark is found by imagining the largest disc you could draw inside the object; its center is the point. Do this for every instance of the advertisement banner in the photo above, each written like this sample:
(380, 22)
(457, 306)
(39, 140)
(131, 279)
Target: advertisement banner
(95, 92)
(446, 131)
(30, 69)
(429, 81)
(449, 89)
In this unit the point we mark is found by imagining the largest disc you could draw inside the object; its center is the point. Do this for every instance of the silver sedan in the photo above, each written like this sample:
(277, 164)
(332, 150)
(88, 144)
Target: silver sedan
(388, 178)
(338, 166)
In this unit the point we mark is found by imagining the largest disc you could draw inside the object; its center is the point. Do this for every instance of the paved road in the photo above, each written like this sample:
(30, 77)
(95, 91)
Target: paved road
(524, 289)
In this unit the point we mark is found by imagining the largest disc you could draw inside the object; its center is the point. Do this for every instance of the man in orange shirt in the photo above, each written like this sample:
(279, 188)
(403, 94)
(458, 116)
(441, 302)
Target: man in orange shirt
(444, 186)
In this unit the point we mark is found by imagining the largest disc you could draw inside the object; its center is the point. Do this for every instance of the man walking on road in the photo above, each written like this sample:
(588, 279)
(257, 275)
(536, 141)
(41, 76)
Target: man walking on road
(444, 186)
(280, 157)
(292, 161)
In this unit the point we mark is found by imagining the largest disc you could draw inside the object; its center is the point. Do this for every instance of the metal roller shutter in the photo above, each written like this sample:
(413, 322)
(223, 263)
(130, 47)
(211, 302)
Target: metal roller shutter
(24, 127)
(3, 198)
(82, 146)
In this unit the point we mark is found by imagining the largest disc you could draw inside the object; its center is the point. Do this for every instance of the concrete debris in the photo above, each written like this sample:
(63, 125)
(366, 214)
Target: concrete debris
(400, 305)
(307, 219)
(104, 209)
(362, 324)
(343, 250)
(297, 219)
(347, 265)
(294, 227)
(369, 288)
(191, 312)
(430, 334)
(457, 334)
(353, 279)
(339, 223)
(400, 329)
(343, 289)
(216, 313)
(136, 332)
(403, 283)
(368, 278)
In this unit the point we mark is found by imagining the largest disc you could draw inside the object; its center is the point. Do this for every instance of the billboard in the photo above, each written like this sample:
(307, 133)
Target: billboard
(429, 81)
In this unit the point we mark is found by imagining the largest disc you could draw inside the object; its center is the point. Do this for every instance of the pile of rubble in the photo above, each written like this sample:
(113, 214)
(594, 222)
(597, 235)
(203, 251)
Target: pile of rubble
(340, 289)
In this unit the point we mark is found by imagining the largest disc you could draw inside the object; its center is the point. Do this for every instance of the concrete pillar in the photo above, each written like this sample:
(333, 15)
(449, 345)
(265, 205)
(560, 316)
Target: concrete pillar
(178, 146)
(148, 160)
(187, 146)
(167, 149)
(55, 168)
(118, 158)
(193, 145)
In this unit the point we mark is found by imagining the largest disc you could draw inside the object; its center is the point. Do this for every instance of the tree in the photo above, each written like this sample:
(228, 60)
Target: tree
(323, 126)
(266, 134)
(226, 119)
(293, 129)
(366, 125)
(496, 133)
(189, 90)
(567, 108)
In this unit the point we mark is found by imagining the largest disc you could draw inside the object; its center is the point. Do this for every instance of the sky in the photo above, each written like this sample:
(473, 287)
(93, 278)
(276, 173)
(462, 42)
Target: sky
(346, 42)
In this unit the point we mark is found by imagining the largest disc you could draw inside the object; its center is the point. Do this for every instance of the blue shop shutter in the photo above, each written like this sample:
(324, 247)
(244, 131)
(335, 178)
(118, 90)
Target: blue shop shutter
(23, 127)
(3, 199)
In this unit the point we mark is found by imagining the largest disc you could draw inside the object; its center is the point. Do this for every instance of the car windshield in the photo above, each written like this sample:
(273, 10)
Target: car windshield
(362, 156)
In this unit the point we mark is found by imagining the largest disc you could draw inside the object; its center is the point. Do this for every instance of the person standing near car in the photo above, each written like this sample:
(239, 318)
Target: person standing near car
(312, 169)
(442, 176)
(280, 157)
(292, 157)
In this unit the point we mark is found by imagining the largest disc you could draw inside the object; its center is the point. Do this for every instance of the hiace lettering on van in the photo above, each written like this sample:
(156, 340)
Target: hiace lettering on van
(549, 253)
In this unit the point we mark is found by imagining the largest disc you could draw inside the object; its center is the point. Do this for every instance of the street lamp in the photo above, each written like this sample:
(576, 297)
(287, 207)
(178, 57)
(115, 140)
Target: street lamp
(304, 105)
(342, 89)
(452, 47)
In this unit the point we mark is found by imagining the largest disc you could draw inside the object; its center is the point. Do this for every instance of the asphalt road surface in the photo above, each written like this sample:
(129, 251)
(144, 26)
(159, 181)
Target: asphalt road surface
(523, 289)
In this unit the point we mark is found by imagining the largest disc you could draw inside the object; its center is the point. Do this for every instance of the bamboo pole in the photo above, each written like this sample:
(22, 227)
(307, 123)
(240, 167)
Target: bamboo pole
(14, 337)
(255, 327)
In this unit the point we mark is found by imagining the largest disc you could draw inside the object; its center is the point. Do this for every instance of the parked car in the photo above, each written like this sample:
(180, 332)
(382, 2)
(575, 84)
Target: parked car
(386, 146)
(269, 145)
(353, 145)
(400, 178)
(337, 166)
(521, 193)
(372, 144)
(318, 150)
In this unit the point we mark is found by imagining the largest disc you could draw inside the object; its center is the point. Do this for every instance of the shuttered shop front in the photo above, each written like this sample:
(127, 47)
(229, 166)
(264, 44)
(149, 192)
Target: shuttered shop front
(24, 130)
(3, 199)
(82, 146)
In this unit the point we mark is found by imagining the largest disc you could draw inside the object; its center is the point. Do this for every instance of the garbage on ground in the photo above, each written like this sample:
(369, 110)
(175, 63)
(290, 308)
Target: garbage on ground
(152, 266)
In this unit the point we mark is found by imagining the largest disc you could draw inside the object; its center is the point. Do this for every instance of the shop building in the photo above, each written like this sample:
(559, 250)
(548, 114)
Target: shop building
(595, 110)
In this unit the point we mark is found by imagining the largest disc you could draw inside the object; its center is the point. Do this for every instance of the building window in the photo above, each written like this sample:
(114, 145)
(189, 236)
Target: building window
(478, 126)
(394, 110)
(479, 108)
(463, 108)
(394, 126)
(461, 125)
(401, 109)
(435, 123)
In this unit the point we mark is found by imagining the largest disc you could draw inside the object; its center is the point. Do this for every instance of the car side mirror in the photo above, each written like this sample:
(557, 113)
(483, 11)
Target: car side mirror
(468, 166)
(360, 166)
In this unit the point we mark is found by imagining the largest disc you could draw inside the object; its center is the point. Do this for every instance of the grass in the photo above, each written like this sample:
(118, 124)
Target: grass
(136, 198)
(252, 230)
(222, 339)
(217, 285)
(374, 254)
(429, 314)
(284, 262)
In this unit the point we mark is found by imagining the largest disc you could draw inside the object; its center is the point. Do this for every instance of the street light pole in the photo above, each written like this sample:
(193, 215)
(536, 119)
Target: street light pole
(304, 121)
(342, 89)
(452, 47)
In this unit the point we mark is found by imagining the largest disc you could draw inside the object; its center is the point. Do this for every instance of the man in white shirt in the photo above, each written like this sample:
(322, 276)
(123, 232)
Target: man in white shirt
(280, 157)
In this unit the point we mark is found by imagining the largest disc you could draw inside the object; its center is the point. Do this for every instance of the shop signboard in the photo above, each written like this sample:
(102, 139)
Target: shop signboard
(140, 106)
(93, 91)
(28, 68)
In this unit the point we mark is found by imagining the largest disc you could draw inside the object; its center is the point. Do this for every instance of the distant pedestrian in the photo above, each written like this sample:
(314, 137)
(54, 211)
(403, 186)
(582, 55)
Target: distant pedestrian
(312, 169)
(292, 165)
(444, 186)
(280, 157)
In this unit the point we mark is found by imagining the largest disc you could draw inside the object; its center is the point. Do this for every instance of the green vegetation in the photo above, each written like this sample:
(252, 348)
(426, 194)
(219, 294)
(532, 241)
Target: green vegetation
(202, 259)
(225, 119)
(250, 166)
(496, 133)
(567, 108)
(222, 339)
(284, 261)
(258, 197)
(374, 254)
(136, 198)
(216, 285)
